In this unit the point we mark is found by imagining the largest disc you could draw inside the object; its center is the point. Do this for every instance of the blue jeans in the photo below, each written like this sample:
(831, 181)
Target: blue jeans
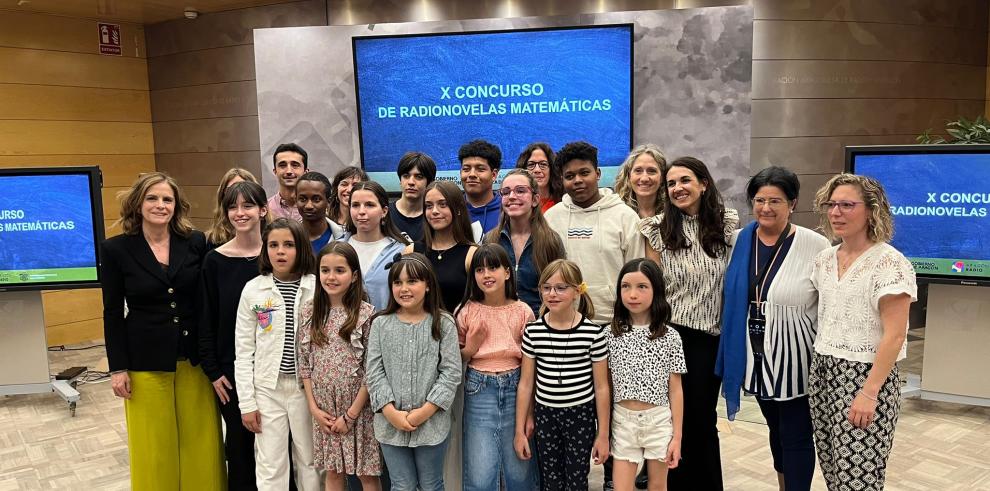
(489, 427)
(412, 468)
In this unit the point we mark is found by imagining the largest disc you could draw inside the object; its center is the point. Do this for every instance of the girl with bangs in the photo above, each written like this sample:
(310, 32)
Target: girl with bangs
(646, 360)
(413, 372)
(226, 270)
(490, 322)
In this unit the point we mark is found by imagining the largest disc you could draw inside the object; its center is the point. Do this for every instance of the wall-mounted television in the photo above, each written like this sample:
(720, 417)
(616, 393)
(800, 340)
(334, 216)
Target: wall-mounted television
(940, 196)
(434, 92)
(51, 225)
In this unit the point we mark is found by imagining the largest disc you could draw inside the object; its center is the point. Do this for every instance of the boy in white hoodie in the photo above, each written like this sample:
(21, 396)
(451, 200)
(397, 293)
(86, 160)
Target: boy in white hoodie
(600, 232)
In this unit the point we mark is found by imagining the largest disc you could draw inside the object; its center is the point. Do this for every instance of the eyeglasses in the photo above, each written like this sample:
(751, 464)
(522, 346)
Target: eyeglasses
(519, 190)
(844, 206)
(533, 164)
(547, 289)
(772, 202)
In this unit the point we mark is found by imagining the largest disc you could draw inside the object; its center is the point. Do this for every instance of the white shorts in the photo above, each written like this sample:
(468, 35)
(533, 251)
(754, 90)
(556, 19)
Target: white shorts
(638, 435)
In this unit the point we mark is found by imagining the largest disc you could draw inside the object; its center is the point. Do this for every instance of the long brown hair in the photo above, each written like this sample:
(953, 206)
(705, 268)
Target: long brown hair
(417, 267)
(460, 222)
(131, 199)
(221, 230)
(711, 214)
(547, 246)
(352, 300)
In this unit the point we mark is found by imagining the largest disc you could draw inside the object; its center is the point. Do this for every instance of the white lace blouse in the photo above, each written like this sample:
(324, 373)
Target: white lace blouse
(849, 325)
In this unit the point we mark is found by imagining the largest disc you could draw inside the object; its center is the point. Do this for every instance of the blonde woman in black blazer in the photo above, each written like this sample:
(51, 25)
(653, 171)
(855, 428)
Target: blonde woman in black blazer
(151, 302)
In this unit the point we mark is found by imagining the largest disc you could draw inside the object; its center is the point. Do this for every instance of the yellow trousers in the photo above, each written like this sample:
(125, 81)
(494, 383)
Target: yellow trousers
(173, 431)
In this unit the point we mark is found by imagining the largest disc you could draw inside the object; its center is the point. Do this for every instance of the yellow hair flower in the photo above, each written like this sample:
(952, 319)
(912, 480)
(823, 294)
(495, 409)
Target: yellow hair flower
(582, 288)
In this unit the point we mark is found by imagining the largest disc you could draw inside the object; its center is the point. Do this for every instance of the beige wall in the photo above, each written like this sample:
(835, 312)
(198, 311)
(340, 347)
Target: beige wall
(62, 103)
(826, 73)
(203, 101)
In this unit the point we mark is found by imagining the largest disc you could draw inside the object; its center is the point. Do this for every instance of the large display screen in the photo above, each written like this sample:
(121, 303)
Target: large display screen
(51, 222)
(434, 92)
(940, 196)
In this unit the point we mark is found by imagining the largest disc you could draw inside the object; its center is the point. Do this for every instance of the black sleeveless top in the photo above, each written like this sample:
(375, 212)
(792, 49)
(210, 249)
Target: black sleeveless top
(449, 267)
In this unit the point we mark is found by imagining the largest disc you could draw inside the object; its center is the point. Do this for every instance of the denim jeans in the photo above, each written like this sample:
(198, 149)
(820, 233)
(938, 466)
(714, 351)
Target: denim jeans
(489, 428)
(412, 468)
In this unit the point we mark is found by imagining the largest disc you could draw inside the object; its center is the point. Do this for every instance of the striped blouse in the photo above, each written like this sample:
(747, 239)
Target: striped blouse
(694, 280)
(288, 289)
(791, 323)
(563, 360)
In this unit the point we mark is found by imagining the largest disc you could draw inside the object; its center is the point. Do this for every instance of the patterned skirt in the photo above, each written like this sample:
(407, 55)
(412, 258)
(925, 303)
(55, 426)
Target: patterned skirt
(851, 458)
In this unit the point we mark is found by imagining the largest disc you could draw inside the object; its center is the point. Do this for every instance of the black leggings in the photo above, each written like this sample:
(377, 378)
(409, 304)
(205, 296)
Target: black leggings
(701, 465)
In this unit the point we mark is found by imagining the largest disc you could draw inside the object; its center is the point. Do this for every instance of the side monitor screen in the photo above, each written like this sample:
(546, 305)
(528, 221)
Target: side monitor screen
(50, 227)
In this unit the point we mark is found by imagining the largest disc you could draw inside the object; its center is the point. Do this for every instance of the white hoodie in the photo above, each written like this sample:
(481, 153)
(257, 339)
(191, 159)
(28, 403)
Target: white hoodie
(600, 239)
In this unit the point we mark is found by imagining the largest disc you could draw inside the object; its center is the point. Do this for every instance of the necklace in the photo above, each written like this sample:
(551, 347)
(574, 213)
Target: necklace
(441, 252)
(556, 354)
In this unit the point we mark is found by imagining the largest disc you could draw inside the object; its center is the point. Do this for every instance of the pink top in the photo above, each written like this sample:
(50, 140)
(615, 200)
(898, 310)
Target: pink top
(501, 349)
(279, 209)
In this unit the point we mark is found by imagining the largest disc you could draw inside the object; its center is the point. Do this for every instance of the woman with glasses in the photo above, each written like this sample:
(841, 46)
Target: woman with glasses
(537, 158)
(865, 291)
(690, 241)
(525, 235)
(638, 181)
(769, 320)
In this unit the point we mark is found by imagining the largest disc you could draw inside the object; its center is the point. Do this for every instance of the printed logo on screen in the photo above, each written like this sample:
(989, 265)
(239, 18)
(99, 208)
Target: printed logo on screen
(958, 267)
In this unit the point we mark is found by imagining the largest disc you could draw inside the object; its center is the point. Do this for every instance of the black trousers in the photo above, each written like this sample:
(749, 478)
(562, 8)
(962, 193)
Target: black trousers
(791, 441)
(564, 437)
(701, 465)
(238, 445)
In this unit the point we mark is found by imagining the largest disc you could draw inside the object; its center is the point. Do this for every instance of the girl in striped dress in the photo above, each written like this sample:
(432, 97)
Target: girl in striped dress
(566, 355)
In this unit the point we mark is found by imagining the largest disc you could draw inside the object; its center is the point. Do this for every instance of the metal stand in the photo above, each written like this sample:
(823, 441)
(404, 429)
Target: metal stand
(24, 350)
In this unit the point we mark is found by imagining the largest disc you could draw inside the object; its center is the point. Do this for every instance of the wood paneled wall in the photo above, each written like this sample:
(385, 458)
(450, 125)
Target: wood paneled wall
(831, 73)
(203, 100)
(62, 103)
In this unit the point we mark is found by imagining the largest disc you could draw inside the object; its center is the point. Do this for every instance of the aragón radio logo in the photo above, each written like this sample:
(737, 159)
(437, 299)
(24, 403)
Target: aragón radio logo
(962, 267)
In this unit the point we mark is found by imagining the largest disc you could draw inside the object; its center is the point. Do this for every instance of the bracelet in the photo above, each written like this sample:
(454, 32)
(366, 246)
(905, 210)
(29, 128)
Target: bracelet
(864, 394)
(348, 419)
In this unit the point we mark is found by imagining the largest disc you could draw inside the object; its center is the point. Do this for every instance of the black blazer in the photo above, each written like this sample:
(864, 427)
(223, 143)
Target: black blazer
(162, 307)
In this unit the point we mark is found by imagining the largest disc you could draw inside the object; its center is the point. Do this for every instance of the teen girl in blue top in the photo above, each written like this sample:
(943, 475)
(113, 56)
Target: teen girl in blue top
(374, 237)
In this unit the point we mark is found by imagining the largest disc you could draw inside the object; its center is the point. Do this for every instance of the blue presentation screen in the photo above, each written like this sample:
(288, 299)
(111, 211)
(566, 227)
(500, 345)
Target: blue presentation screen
(47, 234)
(940, 203)
(433, 93)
